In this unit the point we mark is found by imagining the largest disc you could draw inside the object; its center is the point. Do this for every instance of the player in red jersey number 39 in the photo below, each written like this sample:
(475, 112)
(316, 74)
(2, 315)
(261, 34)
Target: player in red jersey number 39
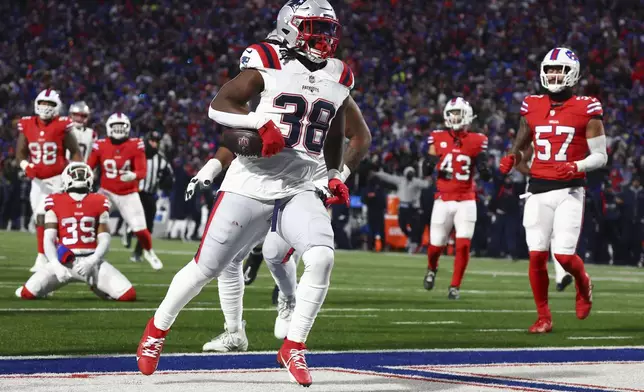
(568, 138)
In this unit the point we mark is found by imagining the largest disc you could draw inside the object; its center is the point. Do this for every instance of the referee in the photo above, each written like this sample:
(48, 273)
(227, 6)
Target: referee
(159, 176)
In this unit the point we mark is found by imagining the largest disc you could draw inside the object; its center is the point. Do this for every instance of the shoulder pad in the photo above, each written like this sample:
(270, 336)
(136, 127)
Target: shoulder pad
(49, 203)
(341, 72)
(104, 201)
(260, 56)
(591, 105)
(97, 144)
(527, 101)
(430, 138)
(139, 143)
(484, 140)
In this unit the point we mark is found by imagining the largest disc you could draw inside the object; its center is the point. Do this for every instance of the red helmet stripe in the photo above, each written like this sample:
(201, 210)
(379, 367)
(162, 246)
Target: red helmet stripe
(554, 54)
(47, 92)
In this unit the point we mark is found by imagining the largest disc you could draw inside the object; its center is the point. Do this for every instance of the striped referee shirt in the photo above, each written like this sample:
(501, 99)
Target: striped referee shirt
(158, 168)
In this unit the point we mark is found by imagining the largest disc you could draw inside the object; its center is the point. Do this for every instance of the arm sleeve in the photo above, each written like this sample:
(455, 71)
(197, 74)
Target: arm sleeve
(597, 157)
(104, 218)
(50, 216)
(49, 243)
(102, 244)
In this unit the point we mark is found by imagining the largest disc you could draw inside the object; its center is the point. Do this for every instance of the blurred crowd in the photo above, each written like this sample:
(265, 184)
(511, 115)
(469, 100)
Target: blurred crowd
(161, 62)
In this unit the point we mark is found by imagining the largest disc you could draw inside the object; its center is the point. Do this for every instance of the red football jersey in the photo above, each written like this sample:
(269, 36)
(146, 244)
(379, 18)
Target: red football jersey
(558, 132)
(45, 143)
(457, 152)
(77, 220)
(116, 159)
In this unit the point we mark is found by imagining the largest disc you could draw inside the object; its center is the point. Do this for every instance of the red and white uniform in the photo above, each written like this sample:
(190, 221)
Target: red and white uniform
(114, 161)
(455, 204)
(77, 222)
(45, 141)
(554, 208)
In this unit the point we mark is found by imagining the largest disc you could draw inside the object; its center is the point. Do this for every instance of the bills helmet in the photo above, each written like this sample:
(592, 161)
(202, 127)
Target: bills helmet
(458, 114)
(118, 126)
(559, 69)
(47, 104)
(77, 176)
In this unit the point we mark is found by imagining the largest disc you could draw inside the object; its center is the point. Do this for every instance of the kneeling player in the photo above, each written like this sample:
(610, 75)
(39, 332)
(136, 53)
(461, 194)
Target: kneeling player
(78, 221)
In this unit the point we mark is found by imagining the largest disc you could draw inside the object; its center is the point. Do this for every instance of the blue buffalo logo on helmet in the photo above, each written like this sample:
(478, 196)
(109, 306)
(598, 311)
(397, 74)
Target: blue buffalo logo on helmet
(571, 55)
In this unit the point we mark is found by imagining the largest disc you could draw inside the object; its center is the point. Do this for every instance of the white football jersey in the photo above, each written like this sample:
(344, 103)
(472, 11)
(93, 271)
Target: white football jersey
(302, 104)
(85, 138)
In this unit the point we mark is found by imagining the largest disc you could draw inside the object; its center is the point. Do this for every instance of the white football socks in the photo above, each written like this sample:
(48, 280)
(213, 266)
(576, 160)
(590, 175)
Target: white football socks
(186, 284)
(231, 295)
(311, 291)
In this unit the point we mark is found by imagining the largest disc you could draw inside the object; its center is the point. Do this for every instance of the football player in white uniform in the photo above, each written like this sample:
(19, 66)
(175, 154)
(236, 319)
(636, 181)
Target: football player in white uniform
(85, 136)
(305, 90)
(278, 251)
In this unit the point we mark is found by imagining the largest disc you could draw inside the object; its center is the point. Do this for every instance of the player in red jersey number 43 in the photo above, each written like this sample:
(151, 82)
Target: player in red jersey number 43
(568, 138)
(457, 152)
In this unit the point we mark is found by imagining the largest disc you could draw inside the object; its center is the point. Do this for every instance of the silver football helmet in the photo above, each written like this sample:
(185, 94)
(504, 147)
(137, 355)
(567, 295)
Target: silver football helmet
(79, 113)
(311, 27)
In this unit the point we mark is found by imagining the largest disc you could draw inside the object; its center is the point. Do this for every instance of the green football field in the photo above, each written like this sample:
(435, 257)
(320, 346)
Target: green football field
(376, 301)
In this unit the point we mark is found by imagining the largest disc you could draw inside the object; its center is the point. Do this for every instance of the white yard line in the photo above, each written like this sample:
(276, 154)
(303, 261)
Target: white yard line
(598, 337)
(502, 330)
(425, 322)
(347, 315)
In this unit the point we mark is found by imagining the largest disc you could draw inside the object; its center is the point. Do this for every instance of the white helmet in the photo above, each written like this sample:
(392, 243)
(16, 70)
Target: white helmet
(79, 113)
(78, 176)
(47, 104)
(458, 114)
(560, 57)
(118, 126)
(309, 26)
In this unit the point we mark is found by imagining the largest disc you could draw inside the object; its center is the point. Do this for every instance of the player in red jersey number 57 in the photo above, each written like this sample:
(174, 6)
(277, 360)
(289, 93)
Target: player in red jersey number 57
(568, 138)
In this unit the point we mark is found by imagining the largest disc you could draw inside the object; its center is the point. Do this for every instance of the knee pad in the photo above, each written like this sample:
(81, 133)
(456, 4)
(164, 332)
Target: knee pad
(318, 263)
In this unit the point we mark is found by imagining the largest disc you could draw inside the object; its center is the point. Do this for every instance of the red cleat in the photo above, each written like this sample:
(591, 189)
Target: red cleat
(541, 326)
(150, 347)
(291, 356)
(584, 301)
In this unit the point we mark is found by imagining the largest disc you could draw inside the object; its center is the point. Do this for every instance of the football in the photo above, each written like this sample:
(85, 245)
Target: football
(244, 142)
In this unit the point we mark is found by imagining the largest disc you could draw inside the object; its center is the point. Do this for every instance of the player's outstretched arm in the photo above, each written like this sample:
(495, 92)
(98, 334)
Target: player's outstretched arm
(221, 161)
(596, 139)
(357, 131)
(71, 144)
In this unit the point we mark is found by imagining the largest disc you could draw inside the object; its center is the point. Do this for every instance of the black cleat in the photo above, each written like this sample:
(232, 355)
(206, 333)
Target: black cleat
(565, 282)
(430, 278)
(251, 265)
(454, 293)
